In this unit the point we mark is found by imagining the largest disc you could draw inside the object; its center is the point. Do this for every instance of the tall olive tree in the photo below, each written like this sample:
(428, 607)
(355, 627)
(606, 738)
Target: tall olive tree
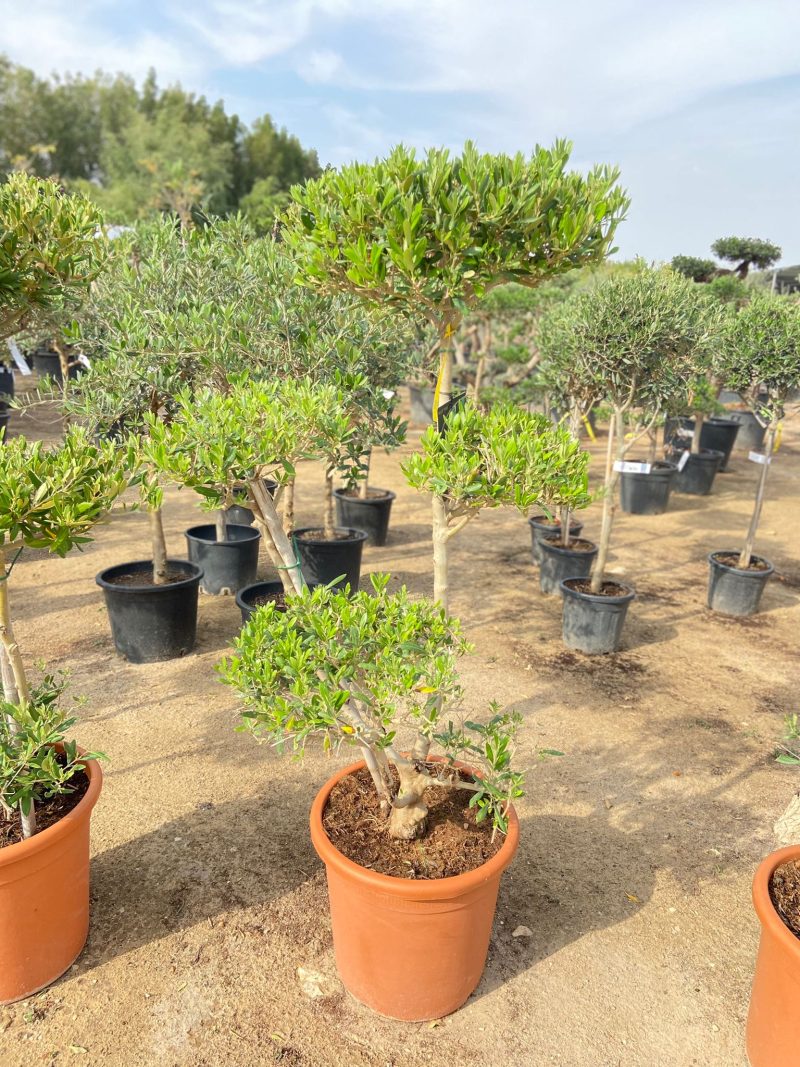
(430, 236)
(634, 341)
(761, 361)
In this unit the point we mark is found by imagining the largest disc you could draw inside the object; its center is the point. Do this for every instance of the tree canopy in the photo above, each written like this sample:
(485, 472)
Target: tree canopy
(137, 150)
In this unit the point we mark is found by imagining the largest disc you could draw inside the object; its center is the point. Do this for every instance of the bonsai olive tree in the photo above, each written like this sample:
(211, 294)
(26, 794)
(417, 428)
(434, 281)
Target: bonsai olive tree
(761, 360)
(358, 671)
(48, 499)
(216, 441)
(487, 459)
(634, 341)
(430, 236)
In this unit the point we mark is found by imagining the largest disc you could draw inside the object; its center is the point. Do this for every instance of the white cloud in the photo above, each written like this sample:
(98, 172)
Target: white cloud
(320, 66)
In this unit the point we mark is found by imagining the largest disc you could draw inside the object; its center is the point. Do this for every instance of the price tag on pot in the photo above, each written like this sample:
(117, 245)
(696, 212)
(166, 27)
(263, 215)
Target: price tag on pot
(683, 460)
(632, 468)
(758, 457)
(17, 356)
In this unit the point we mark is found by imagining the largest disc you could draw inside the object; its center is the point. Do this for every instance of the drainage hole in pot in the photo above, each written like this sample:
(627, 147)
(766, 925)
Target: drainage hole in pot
(452, 844)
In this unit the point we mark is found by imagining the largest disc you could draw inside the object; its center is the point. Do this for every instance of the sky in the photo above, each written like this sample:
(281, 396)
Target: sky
(696, 101)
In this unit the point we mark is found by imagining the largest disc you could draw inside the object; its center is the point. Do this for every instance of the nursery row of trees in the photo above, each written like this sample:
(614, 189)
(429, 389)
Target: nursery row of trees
(219, 360)
(138, 150)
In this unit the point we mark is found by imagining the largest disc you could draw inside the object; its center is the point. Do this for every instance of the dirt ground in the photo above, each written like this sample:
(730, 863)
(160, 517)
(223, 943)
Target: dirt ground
(638, 845)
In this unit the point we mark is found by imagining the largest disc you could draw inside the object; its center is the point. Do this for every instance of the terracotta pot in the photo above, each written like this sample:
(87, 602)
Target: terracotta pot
(410, 949)
(44, 899)
(773, 1023)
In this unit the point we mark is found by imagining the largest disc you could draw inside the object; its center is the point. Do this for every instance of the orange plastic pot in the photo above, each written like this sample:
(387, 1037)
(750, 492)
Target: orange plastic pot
(408, 948)
(773, 1023)
(44, 899)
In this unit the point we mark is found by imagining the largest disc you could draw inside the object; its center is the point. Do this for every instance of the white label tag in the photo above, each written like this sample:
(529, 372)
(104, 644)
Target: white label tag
(683, 432)
(84, 360)
(684, 459)
(758, 457)
(387, 393)
(18, 357)
(632, 468)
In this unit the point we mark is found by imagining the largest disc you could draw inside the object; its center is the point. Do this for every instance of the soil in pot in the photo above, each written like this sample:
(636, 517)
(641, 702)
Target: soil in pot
(593, 622)
(453, 843)
(698, 474)
(542, 527)
(559, 562)
(48, 812)
(260, 593)
(44, 898)
(151, 622)
(410, 947)
(784, 891)
(735, 590)
(336, 560)
(227, 565)
(647, 494)
(370, 514)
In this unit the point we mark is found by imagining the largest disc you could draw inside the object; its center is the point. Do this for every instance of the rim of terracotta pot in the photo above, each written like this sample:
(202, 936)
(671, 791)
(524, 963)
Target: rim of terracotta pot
(408, 888)
(762, 901)
(42, 840)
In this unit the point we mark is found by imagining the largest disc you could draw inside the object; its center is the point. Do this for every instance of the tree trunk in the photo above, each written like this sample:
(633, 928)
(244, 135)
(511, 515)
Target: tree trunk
(363, 485)
(651, 446)
(747, 551)
(15, 682)
(288, 507)
(329, 523)
(566, 518)
(698, 429)
(278, 544)
(409, 818)
(479, 377)
(221, 525)
(159, 546)
(440, 552)
(609, 507)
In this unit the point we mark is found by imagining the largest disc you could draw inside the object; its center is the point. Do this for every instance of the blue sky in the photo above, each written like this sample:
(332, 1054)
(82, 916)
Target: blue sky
(697, 101)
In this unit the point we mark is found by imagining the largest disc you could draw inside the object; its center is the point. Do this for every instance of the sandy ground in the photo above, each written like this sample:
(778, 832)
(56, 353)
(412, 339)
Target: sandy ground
(638, 846)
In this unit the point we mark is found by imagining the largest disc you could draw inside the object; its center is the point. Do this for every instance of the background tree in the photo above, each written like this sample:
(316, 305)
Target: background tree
(761, 360)
(699, 270)
(746, 252)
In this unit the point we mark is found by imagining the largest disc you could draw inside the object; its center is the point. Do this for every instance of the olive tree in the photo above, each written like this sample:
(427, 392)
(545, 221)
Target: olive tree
(358, 670)
(49, 499)
(761, 360)
(746, 252)
(429, 237)
(633, 341)
(504, 456)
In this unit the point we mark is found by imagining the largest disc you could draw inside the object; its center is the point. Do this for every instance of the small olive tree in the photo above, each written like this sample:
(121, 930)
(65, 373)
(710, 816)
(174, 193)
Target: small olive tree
(746, 252)
(356, 670)
(216, 441)
(51, 499)
(761, 361)
(505, 456)
(634, 340)
(430, 236)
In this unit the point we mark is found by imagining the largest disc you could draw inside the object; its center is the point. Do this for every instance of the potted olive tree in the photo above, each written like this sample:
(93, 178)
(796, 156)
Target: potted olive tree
(252, 432)
(636, 337)
(428, 237)
(413, 897)
(761, 354)
(48, 787)
(504, 456)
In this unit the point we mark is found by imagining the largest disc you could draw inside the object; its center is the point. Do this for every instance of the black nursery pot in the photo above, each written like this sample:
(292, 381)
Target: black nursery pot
(697, 477)
(558, 563)
(246, 598)
(733, 591)
(324, 561)
(151, 622)
(647, 494)
(541, 527)
(720, 436)
(48, 364)
(593, 623)
(6, 384)
(370, 515)
(227, 565)
(240, 514)
(751, 432)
